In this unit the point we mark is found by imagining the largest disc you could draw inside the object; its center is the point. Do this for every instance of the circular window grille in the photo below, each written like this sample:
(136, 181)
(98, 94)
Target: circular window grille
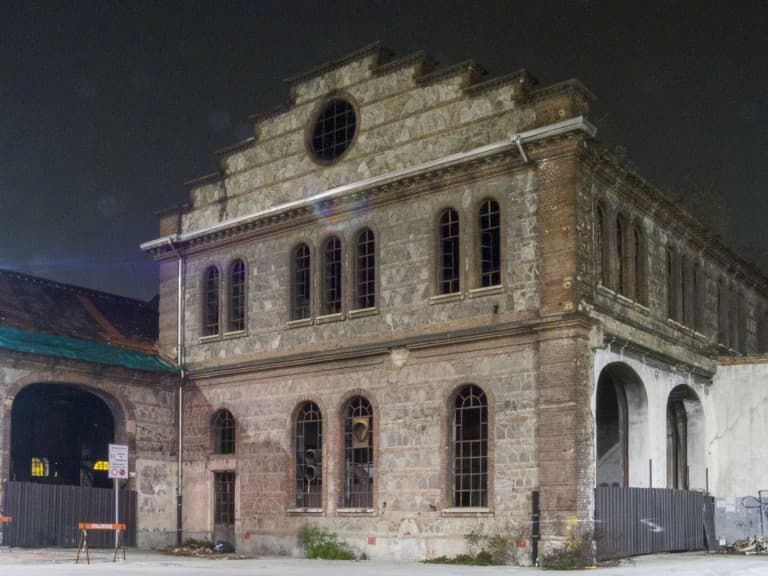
(333, 130)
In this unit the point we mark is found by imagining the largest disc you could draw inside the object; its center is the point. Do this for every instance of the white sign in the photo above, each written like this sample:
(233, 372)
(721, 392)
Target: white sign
(118, 461)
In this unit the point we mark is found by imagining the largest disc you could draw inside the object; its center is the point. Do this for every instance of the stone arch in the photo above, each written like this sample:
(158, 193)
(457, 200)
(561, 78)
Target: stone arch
(621, 416)
(685, 440)
(85, 399)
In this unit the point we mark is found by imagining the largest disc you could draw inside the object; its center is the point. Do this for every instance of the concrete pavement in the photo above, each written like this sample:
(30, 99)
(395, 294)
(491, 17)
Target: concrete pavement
(60, 562)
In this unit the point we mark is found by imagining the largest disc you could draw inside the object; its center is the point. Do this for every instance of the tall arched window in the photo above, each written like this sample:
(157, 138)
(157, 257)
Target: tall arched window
(671, 292)
(489, 229)
(358, 471)
(470, 448)
(638, 261)
(684, 287)
(332, 276)
(723, 330)
(733, 318)
(223, 432)
(365, 270)
(448, 251)
(302, 283)
(601, 246)
(236, 317)
(211, 301)
(621, 256)
(309, 456)
(696, 298)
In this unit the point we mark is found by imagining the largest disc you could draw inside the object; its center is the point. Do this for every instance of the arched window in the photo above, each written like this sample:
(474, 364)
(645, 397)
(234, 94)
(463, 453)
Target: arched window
(741, 315)
(733, 318)
(696, 298)
(470, 448)
(365, 284)
(302, 283)
(489, 229)
(638, 261)
(601, 247)
(309, 456)
(332, 276)
(236, 318)
(723, 330)
(223, 432)
(211, 301)
(684, 286)
(621, 256)
(671, 291)
(448, 252)
(358, 471)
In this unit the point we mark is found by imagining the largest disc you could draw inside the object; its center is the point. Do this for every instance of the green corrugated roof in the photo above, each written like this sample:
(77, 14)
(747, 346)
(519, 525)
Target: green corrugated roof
(84, 350)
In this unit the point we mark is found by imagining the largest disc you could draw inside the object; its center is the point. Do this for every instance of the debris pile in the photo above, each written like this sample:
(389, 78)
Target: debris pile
(753, 545)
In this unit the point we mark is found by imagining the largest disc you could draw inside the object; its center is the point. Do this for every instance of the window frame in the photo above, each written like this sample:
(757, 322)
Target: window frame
(354, 453)
(211, 301)
(301, 301)
(492, 231)
(309, 499)
(365, 270)
(237, 296)
(332, 276)
(445, 285)
(475, 497)
(223, 433)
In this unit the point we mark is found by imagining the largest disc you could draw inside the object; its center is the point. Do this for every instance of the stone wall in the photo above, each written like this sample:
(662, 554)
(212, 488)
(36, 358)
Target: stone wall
(143, 406)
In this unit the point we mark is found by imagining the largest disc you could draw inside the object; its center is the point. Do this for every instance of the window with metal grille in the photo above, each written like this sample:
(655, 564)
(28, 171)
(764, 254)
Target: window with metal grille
(448, 252)
(211, 301)
(366, 270)
(601, 247)
(470, 448)
(621, 256)
(309, 457)
(223, 432)
(224, 497)
(357, 481)
(302, 283)
(332, 276)
(639, 265)
(333, 131)
(237, 296)
(671, 292)
(490, 243)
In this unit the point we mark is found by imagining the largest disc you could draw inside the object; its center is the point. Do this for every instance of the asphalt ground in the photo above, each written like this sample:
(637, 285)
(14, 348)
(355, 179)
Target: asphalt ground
(60, 562)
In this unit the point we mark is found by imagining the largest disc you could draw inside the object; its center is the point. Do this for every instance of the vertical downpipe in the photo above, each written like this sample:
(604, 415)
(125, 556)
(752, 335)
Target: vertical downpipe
(180, 407)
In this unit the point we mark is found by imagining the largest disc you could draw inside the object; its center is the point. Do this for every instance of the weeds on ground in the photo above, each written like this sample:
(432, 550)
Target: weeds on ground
(483, 550)
(319, 543)
(576, 554)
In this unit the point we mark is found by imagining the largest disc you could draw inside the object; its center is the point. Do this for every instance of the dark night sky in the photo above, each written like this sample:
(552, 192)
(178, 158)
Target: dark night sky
(106, 108)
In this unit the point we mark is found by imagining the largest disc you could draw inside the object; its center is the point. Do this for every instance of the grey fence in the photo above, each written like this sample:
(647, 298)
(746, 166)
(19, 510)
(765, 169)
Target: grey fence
(48, 515)
(634, 521)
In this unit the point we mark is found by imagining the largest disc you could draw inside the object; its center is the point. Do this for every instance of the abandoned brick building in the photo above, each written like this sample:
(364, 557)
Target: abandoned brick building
(419, 303)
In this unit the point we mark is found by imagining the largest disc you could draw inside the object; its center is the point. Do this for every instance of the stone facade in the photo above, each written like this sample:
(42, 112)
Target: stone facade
(570, 300)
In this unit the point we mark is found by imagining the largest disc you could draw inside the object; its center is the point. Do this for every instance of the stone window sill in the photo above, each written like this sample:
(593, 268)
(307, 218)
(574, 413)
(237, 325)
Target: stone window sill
(443, 298)
(467, 512)
(355, 511)
(486, 291)
(360, 312)
(326, 318)
(304, 322)
(305, 511)
(209, 339)
(235, 334)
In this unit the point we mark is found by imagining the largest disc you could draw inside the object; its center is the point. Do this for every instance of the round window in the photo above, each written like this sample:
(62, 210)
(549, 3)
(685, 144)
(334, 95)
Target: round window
(333, 131)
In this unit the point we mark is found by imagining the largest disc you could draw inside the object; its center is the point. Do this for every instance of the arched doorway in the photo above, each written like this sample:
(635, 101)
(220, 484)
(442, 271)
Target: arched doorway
(60, 435)
(621, 416)
(685, 433)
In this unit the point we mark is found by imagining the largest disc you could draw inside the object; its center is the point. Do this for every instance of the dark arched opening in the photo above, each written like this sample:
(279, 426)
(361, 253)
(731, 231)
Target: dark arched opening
(60, 435)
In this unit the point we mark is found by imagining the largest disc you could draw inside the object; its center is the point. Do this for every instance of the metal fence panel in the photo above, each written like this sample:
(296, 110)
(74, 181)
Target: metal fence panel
(634, 521)
(48, 515)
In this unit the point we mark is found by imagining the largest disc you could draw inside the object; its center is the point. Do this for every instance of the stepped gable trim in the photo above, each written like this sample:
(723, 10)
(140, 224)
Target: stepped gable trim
(376, 48)
(521, 76)
(573, 84)
(203, 180)
(384, 181)
(421, 59)
(470, 67)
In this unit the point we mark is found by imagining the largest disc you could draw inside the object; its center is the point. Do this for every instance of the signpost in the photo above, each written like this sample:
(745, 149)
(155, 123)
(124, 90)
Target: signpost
(118, 470)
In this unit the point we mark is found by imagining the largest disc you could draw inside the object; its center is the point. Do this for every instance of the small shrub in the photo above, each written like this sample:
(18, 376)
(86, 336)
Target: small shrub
(482, 550)
(319, 543)
(576, 554)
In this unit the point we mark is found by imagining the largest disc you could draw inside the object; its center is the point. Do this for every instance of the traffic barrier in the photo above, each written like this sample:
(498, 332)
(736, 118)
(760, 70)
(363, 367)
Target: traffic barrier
(82, 544)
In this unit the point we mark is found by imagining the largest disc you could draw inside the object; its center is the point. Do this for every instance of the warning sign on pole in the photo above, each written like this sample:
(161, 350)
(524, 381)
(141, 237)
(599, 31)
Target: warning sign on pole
(118, 461)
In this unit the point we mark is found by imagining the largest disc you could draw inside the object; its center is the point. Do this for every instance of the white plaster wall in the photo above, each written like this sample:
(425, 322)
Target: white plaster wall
(648, 439)
(737, 437)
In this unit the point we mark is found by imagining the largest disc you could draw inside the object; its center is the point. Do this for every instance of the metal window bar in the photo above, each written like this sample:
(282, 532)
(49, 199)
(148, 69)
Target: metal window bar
(366, 269)
(309, 453)
(470, 448)
(223, 432)
(334, 130)
(359, 470)
(224, 497)
(301, 283)
(237, 296)
(211, 302)
(332, 276)
(490, 244)
(448, 273)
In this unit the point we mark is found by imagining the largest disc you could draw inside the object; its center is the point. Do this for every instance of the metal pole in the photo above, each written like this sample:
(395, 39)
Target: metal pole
(117, 507)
